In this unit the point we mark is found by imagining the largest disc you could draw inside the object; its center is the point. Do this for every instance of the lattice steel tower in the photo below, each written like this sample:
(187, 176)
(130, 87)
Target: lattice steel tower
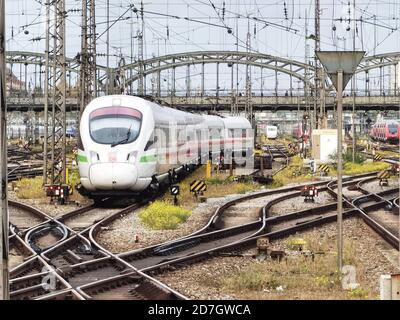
(88, 86)
(317, 75)
(55, 94)
(141, 54)
(249, 105)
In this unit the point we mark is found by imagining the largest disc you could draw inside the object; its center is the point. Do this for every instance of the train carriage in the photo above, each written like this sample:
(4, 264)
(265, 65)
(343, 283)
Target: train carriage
(386, 131)
(128, 144)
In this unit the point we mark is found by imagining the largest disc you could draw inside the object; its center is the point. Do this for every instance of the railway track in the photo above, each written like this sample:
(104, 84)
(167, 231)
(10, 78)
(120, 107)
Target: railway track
(32, 263)
(396, 206)
(278, 157)
(24, 217)
(278, 152)
(384, 222)
(174, 251)
(85, 270)
(279, 232)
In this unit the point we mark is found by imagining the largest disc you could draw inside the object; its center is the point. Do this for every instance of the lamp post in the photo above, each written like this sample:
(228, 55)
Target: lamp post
(340, 67)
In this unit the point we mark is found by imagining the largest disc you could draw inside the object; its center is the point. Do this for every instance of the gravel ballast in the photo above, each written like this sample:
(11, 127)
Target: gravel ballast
(372, 255)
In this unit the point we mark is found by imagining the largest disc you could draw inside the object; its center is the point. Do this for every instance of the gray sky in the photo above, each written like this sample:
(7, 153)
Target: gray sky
(285, 40)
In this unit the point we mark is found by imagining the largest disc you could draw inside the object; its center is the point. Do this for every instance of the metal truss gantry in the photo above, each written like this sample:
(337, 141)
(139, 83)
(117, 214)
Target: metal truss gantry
(372, 70)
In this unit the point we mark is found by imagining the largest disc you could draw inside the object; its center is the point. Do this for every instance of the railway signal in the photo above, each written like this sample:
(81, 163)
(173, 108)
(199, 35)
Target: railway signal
(309, 193)
(175, 190)
(396, 168)
(59, 191)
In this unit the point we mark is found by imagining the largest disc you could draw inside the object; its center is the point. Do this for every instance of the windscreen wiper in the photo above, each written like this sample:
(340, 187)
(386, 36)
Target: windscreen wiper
(125, 140)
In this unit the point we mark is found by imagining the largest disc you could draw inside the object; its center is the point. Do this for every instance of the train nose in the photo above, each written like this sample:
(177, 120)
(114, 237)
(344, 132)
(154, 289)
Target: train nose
(115, 175)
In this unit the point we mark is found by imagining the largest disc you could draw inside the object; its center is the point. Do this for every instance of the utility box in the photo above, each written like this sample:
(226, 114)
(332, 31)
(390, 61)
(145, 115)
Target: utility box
(324, 144)
(390, 287)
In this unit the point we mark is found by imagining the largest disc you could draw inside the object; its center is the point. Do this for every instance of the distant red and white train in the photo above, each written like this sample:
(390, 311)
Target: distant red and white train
(299, 132)
(386, 130)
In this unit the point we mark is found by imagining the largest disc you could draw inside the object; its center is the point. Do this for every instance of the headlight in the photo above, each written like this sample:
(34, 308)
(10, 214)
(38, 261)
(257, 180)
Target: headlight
(132, 157)
(94, 157)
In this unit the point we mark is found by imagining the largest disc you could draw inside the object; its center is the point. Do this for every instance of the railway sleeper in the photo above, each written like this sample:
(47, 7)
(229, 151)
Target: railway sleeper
(173, 248)
(33, 266)
(149, 291)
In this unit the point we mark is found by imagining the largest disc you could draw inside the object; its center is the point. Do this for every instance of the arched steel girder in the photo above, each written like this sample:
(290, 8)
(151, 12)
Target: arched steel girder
(36, 58)
(297, 69)
(183, 59)
(378, 61)
(290, 67)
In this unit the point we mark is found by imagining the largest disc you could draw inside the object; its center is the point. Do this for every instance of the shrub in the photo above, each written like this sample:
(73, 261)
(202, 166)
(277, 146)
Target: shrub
(161, 215)
(358, 293)
(30, 188)
(358, 157)
(74, 177)
(348, 157)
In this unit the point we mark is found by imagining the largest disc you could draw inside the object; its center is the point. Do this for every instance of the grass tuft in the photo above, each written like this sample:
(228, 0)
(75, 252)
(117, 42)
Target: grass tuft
(161, 215)
(297, 274)
(358, 293)
(217, 186)
(289, 174)
(30, 188)
(357, 168)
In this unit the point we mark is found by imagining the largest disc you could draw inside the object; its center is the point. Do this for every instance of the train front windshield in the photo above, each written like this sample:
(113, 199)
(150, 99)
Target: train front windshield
(392, 128)
(115, 125)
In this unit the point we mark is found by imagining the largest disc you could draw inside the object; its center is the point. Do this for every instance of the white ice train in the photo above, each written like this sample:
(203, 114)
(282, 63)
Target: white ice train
(271, 132)
(128, 144)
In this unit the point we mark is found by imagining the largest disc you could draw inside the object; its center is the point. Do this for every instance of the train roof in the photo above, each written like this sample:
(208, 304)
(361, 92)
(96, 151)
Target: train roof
(387, 121)
(167, 114)
(236, 123)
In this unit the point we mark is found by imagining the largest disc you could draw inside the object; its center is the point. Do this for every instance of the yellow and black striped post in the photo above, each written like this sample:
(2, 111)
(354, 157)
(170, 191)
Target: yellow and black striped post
(383, 177)
(198, 186)
(377, 158)
(323, 169)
